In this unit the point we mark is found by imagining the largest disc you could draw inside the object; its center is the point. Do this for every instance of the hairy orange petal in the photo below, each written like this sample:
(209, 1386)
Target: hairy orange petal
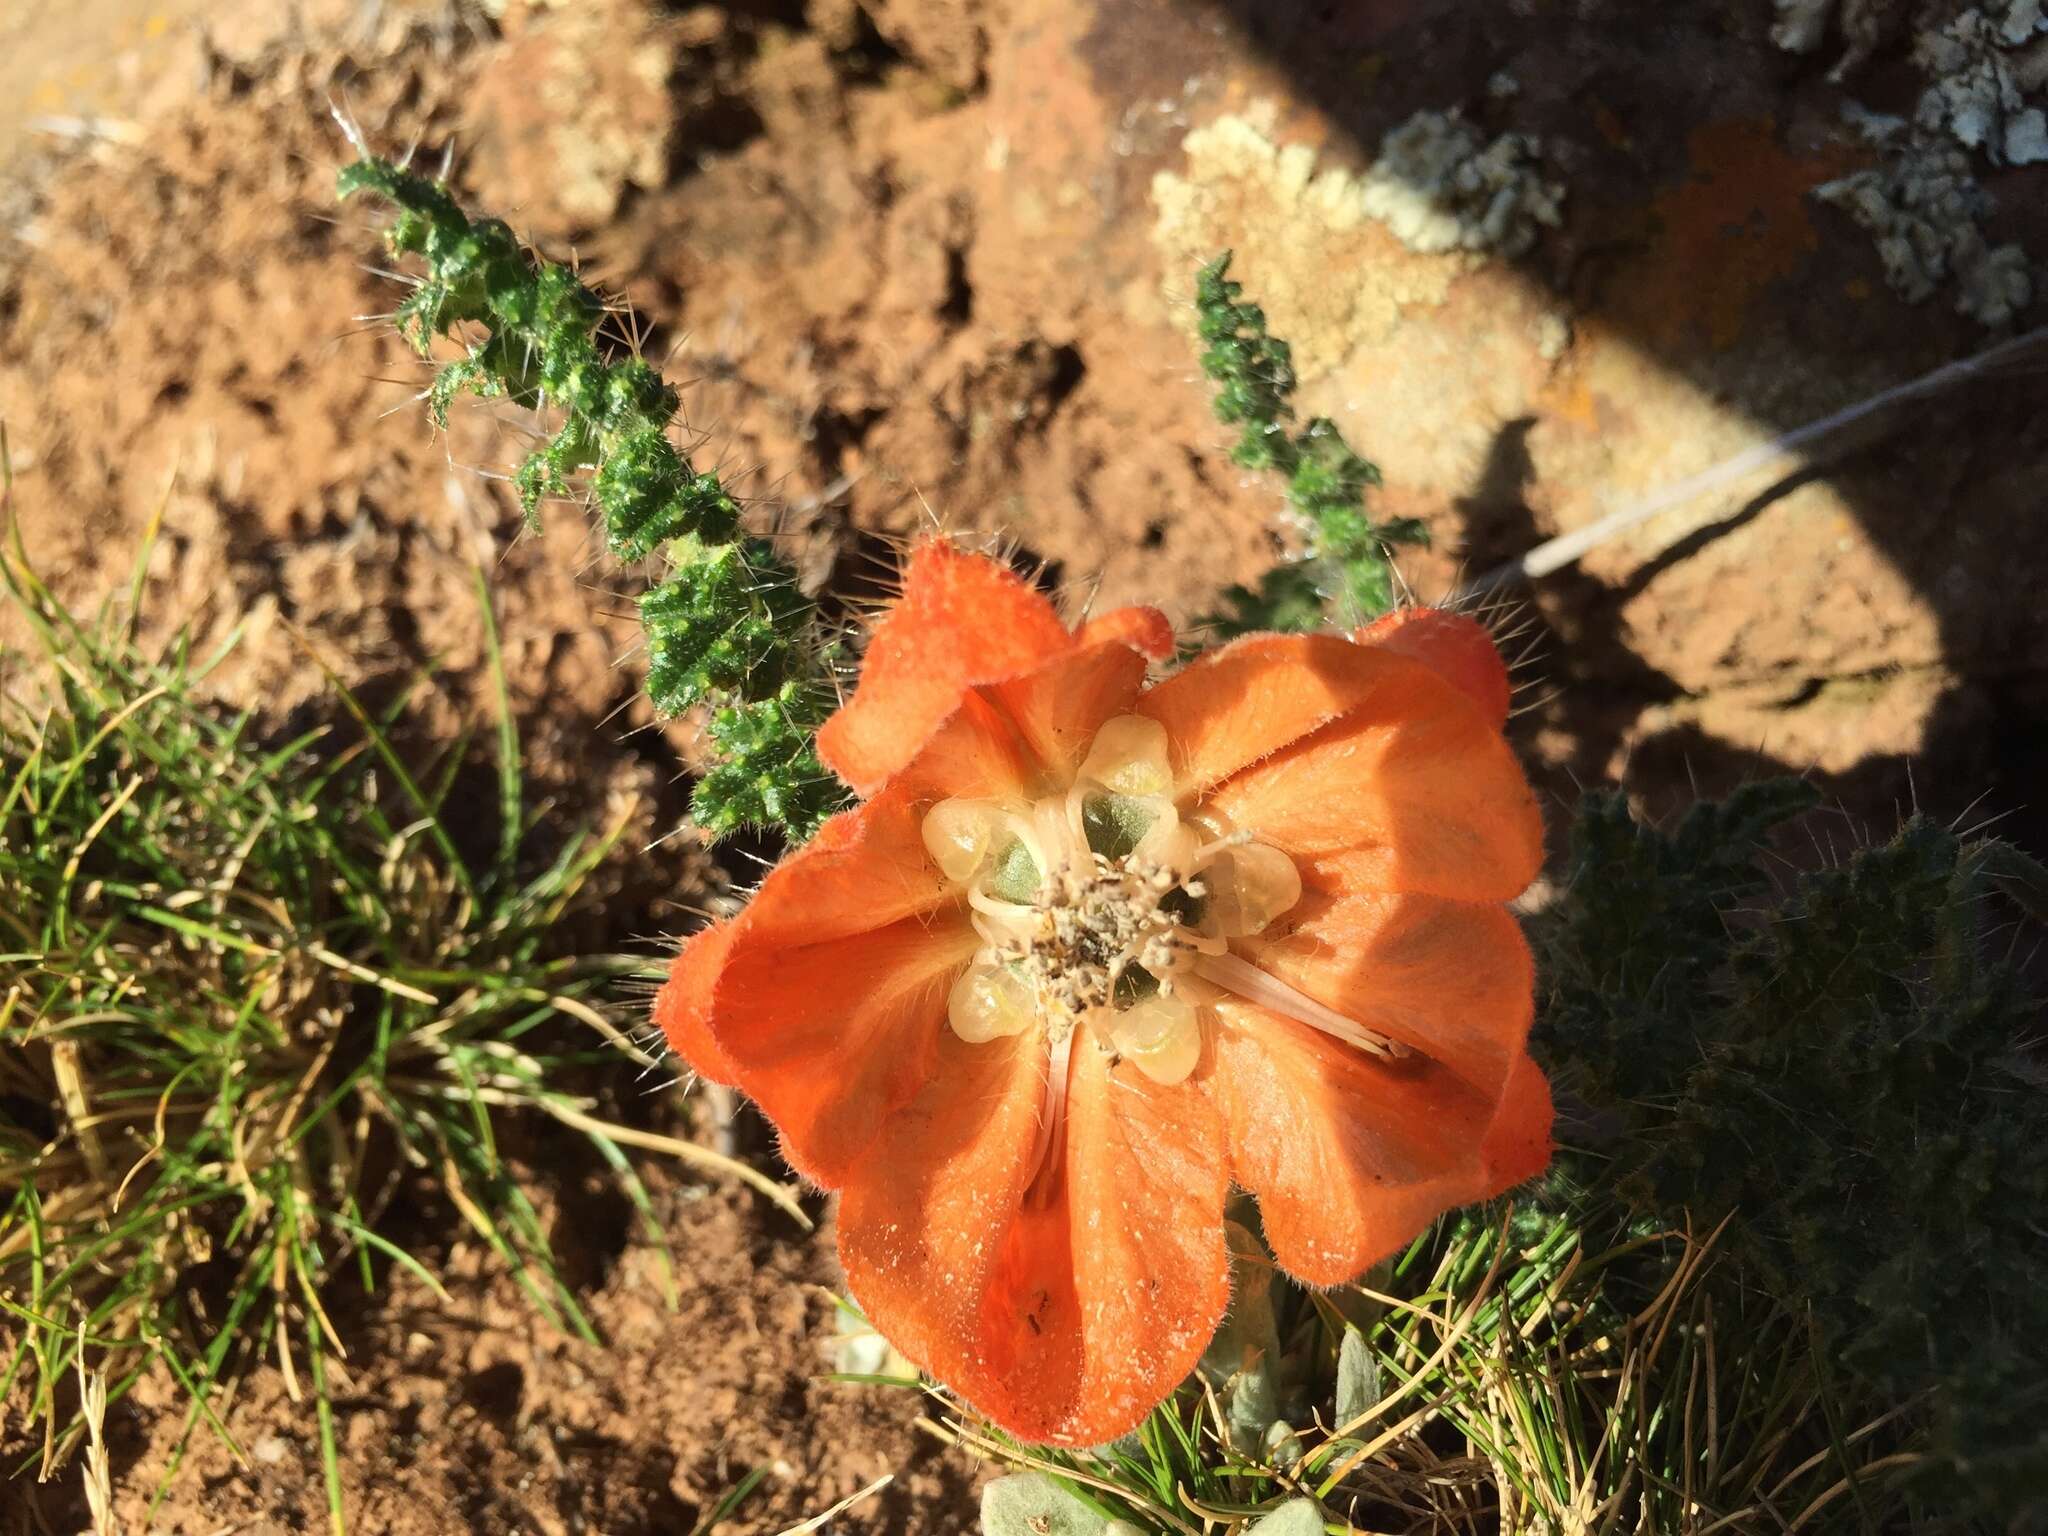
(975, 752)
(1057, 708)
(1064, 1322)
(1410, 791)
(866, 868)
(1350, 1155)
(684, 1002)
(1518, 1143)
(962, 619)
(831, 1039)
(1232, 707)
(1453, 979)
(1146, 1178)
(1458, 648)
(1145, 630)
(928, 1225)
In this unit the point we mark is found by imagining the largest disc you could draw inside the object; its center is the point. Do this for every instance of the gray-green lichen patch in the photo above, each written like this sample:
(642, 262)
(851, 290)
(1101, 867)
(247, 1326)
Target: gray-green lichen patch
(1923, 204)
(1440, 186)
(1925, 210)
(1973, 92)
(1866, 25)
(2023, 18)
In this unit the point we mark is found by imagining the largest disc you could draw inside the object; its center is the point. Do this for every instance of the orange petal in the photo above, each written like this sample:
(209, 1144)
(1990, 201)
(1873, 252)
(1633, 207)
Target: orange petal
(682, 1005)
(1452, 979)
(1234, 706)
(928, 1225)
(962, 619)
(1146, 1179)
(1144, 630)
(866, 868)
(974, 753)
(1057, 709)
(1350, 1155)
(1410, 791)
(1457, 647)
(1518, 1143)
(831, 1039)
(1066, 1322)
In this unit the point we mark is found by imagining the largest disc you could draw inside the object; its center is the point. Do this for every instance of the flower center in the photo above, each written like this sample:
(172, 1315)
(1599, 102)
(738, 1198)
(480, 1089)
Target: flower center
(1102, 904)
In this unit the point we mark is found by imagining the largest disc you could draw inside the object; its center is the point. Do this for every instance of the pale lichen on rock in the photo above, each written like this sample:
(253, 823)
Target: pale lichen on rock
(1330, 278)
(1339, 256)
(2023, 18)
(1923, 203)
(1439, 186)
(1973, 92)
(1802, 26)
(1925, 210)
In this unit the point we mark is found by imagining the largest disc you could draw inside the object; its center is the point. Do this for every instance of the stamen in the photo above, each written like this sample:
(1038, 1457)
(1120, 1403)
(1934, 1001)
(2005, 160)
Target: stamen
(1102, 904)
(997, 908)
(1269, 992)
(1065, 849)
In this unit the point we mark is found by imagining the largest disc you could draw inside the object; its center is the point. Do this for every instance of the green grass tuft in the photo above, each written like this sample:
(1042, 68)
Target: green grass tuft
(1850, 1070)
(250, 992)
(1784, 1275)
(1528, 1370)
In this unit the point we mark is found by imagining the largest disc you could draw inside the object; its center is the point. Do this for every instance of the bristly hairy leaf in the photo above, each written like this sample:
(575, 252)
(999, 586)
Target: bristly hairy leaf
(1844, 1072)
(727, 627)
(1346, 573)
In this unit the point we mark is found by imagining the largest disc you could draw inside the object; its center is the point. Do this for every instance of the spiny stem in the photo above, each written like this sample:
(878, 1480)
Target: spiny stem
(728, 626)
(1347, 567)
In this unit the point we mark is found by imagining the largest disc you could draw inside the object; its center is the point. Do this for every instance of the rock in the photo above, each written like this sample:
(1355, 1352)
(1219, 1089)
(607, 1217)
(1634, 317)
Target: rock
(947, 37)
(573, 111)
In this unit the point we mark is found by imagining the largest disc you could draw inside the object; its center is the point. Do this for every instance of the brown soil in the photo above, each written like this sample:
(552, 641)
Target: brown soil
(473, 1415)
(907, 250)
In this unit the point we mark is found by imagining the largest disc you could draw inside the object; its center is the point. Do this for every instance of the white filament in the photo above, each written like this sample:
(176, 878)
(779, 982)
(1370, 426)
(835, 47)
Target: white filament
(1274, 995)
(1045, 1151)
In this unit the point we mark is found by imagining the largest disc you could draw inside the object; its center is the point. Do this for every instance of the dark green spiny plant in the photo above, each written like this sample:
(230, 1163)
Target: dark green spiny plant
(1852, 1069)
(1346, 571)
(727, 627)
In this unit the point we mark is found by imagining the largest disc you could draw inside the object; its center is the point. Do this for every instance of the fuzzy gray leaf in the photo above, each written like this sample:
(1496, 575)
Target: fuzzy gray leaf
(1299, 1517)
(1032, 1504)
(1358, 1378)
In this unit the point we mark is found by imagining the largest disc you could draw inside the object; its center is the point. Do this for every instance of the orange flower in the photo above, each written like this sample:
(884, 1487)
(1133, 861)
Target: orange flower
(1090, 953)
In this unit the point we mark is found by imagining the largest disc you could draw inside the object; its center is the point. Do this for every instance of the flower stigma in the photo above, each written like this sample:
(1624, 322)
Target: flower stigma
(1102, 905)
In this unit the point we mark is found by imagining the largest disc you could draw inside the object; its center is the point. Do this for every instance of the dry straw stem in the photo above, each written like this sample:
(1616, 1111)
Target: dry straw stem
(251, 991)
(823, 1521)
(98, 1474)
